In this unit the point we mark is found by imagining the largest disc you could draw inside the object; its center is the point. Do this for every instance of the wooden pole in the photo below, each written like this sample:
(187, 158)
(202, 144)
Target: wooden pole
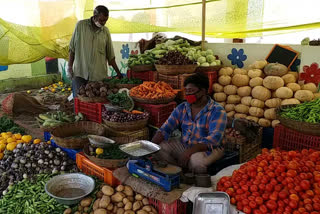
(203, 24)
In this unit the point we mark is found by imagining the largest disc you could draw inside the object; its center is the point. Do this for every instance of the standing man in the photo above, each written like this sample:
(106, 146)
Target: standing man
(91, 50)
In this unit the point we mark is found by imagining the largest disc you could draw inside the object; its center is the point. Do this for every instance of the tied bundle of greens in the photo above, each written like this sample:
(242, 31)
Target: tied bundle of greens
(7, 125)
(122, 100)
(306, 112)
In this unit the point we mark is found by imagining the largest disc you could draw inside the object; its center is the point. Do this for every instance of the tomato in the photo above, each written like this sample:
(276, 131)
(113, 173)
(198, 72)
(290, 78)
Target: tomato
(278, 187)
(257, 212)
(301, 209)
(265, 196)
(247, 209)
(239, 191)
(291, 185)
(269, 187)
(272, 205)
(252, 204)
(254, 188)
(283, 194)
(259, 200)
(293, 204)
(233, 200)
(245, 188)
(289, 180)
(230, 192)
(310, 193)
(298, 188)
(245, 202)
(308, 207)
(274, 196)
(262, 186)
(296, 212)
(293, 165)
(307, 201)
(291, 173)
(263, 209)
(303, 175)
(305, 184)
(316, 206)
(256, 194)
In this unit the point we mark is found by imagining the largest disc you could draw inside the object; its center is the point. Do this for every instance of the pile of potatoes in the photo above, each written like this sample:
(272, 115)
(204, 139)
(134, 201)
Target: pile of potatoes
(119, 200)
(255, 94)
(96, 89)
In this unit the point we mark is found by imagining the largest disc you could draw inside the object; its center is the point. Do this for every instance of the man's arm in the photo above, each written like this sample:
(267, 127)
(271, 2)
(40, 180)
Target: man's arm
(70, 63)
(115, 67)
(72, 49)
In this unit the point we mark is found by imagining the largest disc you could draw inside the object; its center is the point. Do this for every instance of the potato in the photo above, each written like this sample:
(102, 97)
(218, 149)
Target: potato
(86, 209)
(110, 207)
(104, 202)
(118, 197)
(120, 204)
(128, 191)
(115, 209)
(96, 204)
(145, 201)
(68, 211)
(131, 198)
(147, 208)
(107, 190)
(142, 212)
(80, 208)
(99, 194)
(154, 210)
(139, 197)
(129, 212)
(125, 200)
(128, 206)
(120, 211)
(137, 205)
(120, 188)
(86, 202)
(100, 211)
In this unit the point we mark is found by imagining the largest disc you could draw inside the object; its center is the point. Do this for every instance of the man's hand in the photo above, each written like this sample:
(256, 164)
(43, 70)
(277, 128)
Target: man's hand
(185, 157)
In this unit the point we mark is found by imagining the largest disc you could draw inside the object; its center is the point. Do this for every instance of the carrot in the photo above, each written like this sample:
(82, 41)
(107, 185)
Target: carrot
(136, 112)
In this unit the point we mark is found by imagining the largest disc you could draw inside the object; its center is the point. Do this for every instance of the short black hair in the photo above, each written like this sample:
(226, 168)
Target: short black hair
(199, 80)
(101, 10)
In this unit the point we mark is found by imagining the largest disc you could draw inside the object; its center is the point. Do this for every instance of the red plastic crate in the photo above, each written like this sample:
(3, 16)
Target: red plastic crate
(92, 111)
(158, 113)
(177, 207)
(89, 168)
(143, 75)
(289, 139)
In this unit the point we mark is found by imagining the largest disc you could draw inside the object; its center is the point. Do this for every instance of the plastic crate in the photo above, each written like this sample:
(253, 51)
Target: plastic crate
(89, 168)
(46, 136)
(289, 139)
(158, 113)
(70, 152)
(177, 207)
(92, 111)
(143, 75)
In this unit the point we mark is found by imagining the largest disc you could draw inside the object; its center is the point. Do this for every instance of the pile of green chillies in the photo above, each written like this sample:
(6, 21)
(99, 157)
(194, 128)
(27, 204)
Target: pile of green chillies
(306, 112)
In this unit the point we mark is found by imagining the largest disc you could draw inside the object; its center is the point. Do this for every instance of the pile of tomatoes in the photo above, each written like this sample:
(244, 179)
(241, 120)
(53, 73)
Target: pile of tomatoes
(276, 182)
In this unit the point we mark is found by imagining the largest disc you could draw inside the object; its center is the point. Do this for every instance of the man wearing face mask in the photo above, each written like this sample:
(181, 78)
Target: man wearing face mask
(202, 122)
(91, 50)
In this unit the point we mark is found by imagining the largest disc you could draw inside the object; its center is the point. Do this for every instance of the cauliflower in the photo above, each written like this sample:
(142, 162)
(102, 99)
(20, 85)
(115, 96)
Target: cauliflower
(201, 59)
(218, 62)
(205, 64)
(213, 63)
(210, 58)
(209, 52)
(203, 53)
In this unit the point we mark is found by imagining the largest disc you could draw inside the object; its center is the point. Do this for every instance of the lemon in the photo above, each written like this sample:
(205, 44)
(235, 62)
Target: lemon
(36, 141)
(19, 141)
(3, 141)
(69, 89)
(17, 136)
(26, 138)
(11, 139)
(29, 92)
(11, 146)
(48, 142)
(99, 151)
(2, 147)
(53, 90)
(3, 133)
(5, 136)
(9, 133)
(63, 89)
(1, 155)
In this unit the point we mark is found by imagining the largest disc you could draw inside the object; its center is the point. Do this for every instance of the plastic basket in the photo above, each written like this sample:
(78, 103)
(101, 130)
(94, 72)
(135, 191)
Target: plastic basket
(177, 207)
(289, 139)
(89, 168)
(143, 75)
(46, 136)
(92, 111)
(158, 113)
(70, 152)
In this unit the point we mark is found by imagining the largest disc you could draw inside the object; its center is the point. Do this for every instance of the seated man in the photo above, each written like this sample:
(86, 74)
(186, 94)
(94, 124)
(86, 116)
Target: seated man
(202, 122)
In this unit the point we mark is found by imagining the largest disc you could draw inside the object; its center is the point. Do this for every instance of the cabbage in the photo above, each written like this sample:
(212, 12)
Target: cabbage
(209, 52)
(201, 59)
(205, 64)
(210, 58)
(190, 52)
(198, 63)
(196, 56)
(213, 63)
(218, 62)
(203, 53)
(198, 47)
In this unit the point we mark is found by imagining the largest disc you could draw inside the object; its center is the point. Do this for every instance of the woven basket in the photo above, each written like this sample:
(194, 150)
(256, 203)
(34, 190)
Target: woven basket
(154, 101)
(128, 86)
(203, 69)
(141, 68)
(127, 126)
(127, 136)
(92, 99)
(176, 69)
(107, 163)
(300, 126)
(66, 135)
(47, 128)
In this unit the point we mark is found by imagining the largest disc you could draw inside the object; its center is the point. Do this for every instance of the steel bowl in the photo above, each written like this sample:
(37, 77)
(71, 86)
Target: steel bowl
(69, 188)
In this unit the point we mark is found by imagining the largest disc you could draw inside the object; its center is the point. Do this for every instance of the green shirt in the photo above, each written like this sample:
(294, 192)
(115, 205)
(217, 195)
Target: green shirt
(92, 49)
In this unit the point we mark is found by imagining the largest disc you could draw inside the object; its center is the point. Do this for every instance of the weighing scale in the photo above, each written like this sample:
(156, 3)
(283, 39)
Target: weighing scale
(166, 177)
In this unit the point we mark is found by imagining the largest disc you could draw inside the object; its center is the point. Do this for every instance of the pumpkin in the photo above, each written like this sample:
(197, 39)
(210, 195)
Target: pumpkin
(244, 91)
(261, 93)
(260, 64)
(229, 107)
(240, 116)
(223, 104)
(310, 86)
(251, 118)
(273, 82)
(230, 89)
(240, 108)
(233, 99)
(257, 81)
(219, 97)
(256, 112)
(231, 113)
(290, 101)
(255, 73)
(273, 103)
(224, 80)
(295, 74)
(240, 71)
(257, 103)
(304, 95)
(264, 122)
(274, 123)
(270, 113)
(275, 69)
(216, 87)
(227, 71)
(284, 93)
(294, 86)
(246, 100)
(316, 95)
(240, 80)
(289, 78)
